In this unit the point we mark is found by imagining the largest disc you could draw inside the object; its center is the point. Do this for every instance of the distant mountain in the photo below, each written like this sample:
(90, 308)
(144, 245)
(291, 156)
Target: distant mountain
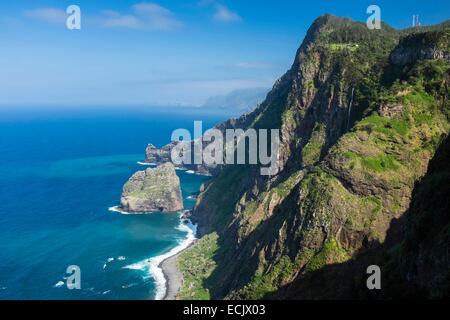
(239, 100)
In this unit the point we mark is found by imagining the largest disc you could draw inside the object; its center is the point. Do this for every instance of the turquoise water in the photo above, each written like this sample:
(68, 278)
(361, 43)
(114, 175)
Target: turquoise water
(59, 174)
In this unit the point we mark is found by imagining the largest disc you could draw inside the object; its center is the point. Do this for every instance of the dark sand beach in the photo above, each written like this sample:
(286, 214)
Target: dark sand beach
(174, 278)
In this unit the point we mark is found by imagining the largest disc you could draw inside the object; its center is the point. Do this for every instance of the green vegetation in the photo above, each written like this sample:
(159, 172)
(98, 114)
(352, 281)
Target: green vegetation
(332, 252)
(196, 264)
(383, 162)
(266, 283)
(316, 186)
(362, 221)
(327, 200)
(283, 189)
(310, 84)
(311, 151)
(289, 117)
(222, 193)
(387, 126)
(337, 47)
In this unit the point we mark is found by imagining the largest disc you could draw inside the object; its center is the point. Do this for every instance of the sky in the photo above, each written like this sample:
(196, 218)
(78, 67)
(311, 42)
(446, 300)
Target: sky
(162, 52)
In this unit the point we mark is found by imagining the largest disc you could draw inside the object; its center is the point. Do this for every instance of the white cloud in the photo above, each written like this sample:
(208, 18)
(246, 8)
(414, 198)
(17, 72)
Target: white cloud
(253, 65)
(112, 19)
(246, 65)
(145, 16)
(223, 14)
(49, 15)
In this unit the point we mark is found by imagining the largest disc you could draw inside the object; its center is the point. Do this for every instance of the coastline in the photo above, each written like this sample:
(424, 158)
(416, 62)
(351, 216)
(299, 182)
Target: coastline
(163, 268)
(173, 276)
(143, 163)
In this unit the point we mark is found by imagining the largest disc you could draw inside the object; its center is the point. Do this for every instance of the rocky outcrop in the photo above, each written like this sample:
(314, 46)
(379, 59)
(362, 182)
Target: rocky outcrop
(428, 45)
(154, 189)
(163, 155)
(158, 156)
(390, 110)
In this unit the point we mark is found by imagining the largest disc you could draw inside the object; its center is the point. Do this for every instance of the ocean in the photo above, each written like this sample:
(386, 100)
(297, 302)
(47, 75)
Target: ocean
(60, 172)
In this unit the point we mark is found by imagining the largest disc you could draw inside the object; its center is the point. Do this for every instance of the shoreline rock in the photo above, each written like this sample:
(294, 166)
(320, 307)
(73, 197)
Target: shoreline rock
(153, 190)
(187, 214)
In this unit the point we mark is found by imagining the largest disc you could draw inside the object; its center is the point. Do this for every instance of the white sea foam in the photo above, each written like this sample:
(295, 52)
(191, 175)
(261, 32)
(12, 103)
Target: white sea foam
(58, 284)
(155, 164)
(191, 197)
(121, 258)
(153, 264)
(126, 286)
(108, 261)
(198, 173)
(146, 163)
(117, 209)
(203, 174)
(137, 266)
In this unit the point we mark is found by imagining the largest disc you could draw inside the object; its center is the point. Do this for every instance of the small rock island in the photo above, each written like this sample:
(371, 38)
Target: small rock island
(152, 190)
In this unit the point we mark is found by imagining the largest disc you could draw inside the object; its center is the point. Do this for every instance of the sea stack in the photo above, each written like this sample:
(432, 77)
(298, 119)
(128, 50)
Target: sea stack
(153, 190)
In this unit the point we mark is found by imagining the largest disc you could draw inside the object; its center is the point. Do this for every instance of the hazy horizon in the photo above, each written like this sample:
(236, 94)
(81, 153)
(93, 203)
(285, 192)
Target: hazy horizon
(162, 53)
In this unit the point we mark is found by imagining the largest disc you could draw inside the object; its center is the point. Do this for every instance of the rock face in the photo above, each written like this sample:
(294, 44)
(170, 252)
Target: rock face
(158, 156)
(154, 189)
(347, 166)
(423, 261)
(163, 155)
(427, 45)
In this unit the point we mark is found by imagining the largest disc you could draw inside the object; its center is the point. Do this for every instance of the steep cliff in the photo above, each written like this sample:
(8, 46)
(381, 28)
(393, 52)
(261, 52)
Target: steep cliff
(419, 265)
(361, 113)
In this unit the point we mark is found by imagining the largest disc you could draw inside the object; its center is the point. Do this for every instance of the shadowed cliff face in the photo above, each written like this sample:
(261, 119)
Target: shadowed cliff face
(422, 260)
(352, 146)
(414, 259)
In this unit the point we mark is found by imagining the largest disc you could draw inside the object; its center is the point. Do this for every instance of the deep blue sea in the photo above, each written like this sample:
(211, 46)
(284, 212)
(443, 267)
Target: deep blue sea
(60, 171)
